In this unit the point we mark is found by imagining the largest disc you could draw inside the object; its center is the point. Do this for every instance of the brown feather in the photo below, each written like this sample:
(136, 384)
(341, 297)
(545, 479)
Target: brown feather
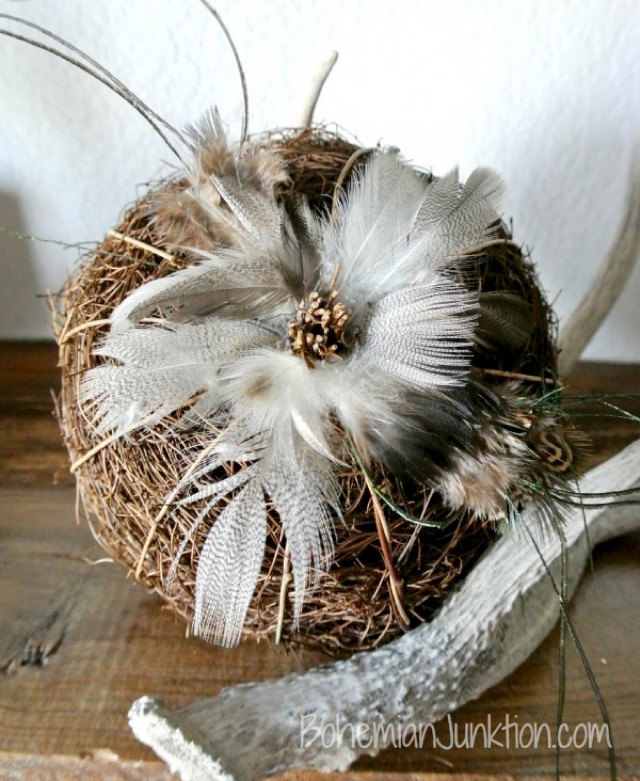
(191, 214)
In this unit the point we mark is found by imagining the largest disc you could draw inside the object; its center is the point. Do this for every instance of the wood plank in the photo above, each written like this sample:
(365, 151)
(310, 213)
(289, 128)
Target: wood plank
(98, 766)
(79, 642)
(31, 450)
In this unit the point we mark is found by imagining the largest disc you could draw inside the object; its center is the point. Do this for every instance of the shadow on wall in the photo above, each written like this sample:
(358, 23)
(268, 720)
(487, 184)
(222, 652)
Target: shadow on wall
(22, 312)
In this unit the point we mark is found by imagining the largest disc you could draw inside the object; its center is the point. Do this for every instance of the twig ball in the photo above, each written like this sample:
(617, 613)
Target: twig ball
(124, 482)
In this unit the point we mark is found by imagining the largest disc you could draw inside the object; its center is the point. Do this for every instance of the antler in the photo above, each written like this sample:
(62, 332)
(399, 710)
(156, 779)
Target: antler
(609, 281)
(317, 83)
(481, 634)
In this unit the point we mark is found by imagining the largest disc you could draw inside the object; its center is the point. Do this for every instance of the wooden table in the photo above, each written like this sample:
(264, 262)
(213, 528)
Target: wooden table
(79, 641)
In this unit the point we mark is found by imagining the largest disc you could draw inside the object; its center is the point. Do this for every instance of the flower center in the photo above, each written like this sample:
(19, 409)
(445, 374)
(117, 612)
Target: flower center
(318, 332)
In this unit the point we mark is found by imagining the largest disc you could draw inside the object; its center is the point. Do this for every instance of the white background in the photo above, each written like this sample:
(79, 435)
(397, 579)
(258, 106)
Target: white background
(545, 91)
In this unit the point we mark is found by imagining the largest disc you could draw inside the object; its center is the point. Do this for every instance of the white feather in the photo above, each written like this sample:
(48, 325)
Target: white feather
(122, 398)
(300, 485)
(209, 341)
(453, 220)
(229, 567)
(199, 287)
(365, 401)
(272, 391)
(214, 493)
(218, 490)
(396, 228)
(230, 447)
(269, 386)
(163, 369)
(423, 334)
(370, 233)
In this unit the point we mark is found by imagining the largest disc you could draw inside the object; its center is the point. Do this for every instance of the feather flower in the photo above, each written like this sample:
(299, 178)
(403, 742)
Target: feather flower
(304, 333)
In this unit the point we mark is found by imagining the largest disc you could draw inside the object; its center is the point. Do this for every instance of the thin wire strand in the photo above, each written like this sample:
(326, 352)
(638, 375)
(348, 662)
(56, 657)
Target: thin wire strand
(107, 83)
(125, 92)
(83, 246)
(562, 649)
(579, 647)
(387, 500)
(243, 81)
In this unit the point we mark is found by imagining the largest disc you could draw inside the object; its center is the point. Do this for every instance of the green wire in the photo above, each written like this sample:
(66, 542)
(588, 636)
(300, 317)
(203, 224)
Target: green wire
(387, 500)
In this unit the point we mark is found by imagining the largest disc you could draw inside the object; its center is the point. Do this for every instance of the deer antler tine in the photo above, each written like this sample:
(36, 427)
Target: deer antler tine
(319, 79)
(482, 633)
(609, 281)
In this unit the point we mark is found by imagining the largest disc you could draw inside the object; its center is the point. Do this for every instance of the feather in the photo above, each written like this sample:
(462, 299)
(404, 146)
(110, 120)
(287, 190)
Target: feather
(213, 493)
(263, 167)
(195, 217)
(431, 433)
(453, 219)
(231, 446)
(163, 369)
(286, 239)
(177, 219)
(301, 241)
(122, 398)
(255, 165)
(271, 391)
(300, 485)
(209, 146)
(201, 289)
(369, 235)
(209, 341)
(480, 481)
(423, 334)
(279, 261)
(298, 482)
(505, 322)
(218, 490)
(361, 398)
(396, 228)
(419, 433)
(258, 215)
(229, 567)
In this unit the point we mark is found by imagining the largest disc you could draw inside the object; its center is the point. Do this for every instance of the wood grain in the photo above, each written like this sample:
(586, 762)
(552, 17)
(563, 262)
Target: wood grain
(31, 451)
(79, 641)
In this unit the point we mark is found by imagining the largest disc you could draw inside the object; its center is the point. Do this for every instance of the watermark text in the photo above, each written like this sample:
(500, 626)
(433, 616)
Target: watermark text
(507, 732)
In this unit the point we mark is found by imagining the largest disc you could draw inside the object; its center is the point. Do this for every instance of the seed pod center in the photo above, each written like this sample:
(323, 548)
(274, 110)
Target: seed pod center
(318, 331)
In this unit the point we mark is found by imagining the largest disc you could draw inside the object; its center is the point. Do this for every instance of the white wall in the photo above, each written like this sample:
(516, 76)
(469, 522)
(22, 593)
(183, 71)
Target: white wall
(545, 91)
